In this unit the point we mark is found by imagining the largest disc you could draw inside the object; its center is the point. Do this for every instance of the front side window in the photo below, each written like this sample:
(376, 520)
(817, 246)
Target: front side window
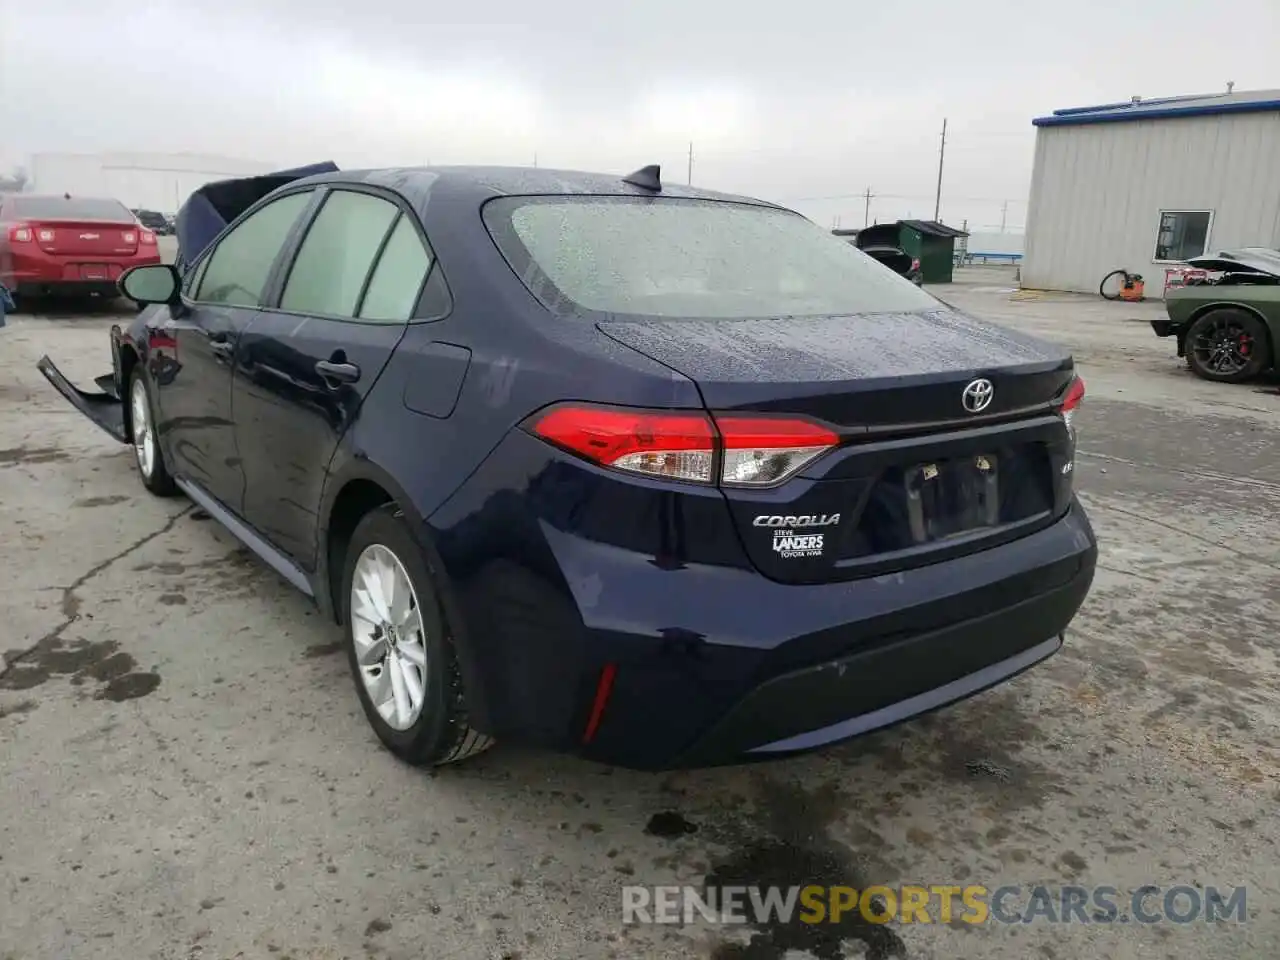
(334, 260)
(239, 266)
(1183, 234)
(689, 258)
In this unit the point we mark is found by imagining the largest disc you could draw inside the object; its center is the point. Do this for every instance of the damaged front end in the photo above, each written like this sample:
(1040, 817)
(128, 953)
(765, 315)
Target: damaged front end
(106, 407)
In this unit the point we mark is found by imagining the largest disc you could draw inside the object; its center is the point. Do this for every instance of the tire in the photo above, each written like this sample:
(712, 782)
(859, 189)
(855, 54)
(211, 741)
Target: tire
(152, 469)
(1102, 287)
(1228, 345)
(437, 732)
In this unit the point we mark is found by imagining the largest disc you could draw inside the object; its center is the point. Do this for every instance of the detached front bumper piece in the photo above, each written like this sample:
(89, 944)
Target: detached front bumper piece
(106, 408)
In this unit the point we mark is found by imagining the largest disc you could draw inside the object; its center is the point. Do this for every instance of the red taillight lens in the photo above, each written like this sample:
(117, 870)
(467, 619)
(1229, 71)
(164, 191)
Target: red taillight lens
(128, 237)
(762, 450)
(44, 236)
(679, 446)
(20, 234)
(1070, 401)
(148, 238)
(754, 451)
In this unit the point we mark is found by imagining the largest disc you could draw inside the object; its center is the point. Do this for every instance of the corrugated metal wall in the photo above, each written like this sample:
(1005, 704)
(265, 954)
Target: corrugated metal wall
(1097, 191)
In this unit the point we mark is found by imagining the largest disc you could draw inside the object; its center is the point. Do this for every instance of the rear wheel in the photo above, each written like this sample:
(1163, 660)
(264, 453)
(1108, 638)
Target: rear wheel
(399, 648)
(146, 447)
(1228, 346)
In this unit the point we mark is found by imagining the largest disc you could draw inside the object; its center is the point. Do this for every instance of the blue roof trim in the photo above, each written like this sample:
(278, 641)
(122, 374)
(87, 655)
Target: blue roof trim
(1128, 114)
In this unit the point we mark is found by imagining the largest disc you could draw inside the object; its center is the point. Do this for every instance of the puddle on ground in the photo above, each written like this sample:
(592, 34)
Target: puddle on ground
(82, 661)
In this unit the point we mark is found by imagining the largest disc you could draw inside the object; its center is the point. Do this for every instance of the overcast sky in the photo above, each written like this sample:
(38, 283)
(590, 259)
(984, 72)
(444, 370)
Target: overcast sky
(789, 100)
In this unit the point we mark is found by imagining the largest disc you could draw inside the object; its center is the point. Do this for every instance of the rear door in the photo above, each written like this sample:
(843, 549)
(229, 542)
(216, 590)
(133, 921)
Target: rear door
(307, 362)
(190, 350)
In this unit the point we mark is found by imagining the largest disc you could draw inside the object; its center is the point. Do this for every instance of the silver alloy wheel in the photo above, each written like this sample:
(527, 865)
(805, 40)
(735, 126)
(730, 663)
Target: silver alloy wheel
(144, 441)
(390, 642)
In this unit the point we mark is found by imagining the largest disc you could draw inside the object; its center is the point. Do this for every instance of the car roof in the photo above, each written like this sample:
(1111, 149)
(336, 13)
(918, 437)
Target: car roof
(418, 184)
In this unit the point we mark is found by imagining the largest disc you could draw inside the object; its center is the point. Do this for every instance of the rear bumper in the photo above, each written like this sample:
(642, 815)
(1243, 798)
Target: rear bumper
(1163, 328)
(877, 688)
(38, 274)
(714, 664)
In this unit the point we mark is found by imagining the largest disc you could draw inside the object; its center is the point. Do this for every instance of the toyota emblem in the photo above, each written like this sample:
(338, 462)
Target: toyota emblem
(977, 395)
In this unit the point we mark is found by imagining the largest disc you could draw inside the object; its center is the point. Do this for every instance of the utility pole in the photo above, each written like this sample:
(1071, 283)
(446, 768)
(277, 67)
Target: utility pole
(690, 180)
(942, 152)
(1004, 215)
(866, 208)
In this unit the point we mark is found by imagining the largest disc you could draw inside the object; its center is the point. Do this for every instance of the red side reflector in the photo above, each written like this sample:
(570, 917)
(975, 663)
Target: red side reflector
(603, 688)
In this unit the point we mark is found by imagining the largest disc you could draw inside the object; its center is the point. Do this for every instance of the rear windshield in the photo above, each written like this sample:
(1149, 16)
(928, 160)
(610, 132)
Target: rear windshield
(689, 258)
(60, 208)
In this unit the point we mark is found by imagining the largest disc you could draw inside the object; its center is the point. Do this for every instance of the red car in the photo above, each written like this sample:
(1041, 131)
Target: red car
(69, 245)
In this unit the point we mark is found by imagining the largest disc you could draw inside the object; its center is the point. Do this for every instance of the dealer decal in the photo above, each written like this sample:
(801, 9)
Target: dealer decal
(791, 546)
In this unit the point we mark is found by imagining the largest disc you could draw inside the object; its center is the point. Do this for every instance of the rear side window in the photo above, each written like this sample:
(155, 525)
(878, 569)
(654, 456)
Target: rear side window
(238, 268)
(334, 260)
(665, 257)
(397, 280)
(68, 208)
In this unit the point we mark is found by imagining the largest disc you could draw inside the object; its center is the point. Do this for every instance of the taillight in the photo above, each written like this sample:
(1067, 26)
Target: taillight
(678, 446)
(759, 451)
(751, 450)
(148, 238)
(45, 236)
(1070, 401)
(20, 234)
(128, 237)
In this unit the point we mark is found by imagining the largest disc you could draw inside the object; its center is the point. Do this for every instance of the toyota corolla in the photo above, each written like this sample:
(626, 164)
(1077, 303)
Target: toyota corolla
(652, 474)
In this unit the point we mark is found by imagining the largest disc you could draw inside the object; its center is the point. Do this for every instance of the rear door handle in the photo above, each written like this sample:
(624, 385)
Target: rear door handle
(336, 373)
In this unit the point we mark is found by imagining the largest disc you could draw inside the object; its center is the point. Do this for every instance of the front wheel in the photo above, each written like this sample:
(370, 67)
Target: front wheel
(146, 447)
(1228, 346)
(399, 647)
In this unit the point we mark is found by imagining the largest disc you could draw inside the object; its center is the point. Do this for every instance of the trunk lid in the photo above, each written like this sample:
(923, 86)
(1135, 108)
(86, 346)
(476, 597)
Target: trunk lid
(918, 476)
(865, 374)
(87, 238)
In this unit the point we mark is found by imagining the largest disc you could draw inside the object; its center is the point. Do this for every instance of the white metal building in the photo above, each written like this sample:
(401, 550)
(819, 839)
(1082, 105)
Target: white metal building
(1146, 184)
(150, 181)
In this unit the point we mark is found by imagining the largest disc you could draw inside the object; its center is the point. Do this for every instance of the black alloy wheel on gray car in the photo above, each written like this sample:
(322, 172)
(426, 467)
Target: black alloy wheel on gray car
(399, 647)
(1228, 345)
(146, 445)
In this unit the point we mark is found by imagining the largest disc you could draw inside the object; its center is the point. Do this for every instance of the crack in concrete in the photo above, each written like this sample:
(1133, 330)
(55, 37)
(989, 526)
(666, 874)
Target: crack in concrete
(71, 603)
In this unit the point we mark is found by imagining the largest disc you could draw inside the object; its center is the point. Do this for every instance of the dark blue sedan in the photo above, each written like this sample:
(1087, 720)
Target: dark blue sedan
(651, 474)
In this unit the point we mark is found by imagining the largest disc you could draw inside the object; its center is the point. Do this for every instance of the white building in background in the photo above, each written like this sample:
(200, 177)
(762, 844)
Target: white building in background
(1146, 184)
(149, 181)
(995, 244)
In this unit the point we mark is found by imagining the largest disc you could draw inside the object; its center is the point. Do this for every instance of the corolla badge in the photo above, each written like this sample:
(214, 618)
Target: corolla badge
(804, 520)
(977, 395)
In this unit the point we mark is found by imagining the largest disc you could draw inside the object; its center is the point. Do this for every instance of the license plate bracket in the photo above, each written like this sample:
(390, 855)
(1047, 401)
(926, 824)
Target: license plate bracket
(94, 271)
(949, 498)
